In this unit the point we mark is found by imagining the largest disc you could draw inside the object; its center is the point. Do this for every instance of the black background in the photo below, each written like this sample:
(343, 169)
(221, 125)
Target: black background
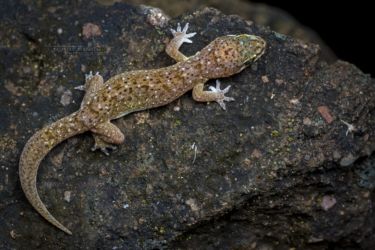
(345, 26)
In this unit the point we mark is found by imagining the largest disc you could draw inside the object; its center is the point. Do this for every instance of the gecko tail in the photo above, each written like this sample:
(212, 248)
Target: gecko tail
(34, 152)
(32, 194)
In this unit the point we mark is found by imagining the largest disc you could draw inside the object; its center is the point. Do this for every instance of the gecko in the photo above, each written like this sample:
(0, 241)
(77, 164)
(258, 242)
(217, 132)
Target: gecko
(138, 90)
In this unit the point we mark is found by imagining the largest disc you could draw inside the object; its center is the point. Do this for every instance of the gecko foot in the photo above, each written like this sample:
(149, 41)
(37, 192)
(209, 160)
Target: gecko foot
(88, 78)
(91, 75)
(103, 148)
(221, 94)
(181, 34)
(102, 145)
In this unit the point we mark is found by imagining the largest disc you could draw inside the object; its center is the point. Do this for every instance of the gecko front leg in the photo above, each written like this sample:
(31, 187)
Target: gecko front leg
(179, 37)
(216, 94)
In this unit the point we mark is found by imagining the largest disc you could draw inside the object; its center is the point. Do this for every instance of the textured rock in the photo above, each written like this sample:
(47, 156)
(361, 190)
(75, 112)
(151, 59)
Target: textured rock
(262, 14)
(262, 171)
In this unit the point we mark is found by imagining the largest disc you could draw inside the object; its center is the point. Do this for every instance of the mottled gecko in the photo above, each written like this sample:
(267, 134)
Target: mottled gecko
(138, 90)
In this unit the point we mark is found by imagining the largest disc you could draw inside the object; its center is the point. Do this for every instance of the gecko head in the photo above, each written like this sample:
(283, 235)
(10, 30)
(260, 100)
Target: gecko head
(232, 53)
(251, 48)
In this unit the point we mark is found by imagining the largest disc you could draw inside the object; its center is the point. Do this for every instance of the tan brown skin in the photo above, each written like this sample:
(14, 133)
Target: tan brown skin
(134, 91)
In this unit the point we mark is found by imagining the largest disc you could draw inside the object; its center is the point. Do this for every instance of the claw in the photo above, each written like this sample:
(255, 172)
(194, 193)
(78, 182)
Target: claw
(89, 76)
(104, 149)
(226, 89)
(80, 87)
(222, 104)
(185, 28)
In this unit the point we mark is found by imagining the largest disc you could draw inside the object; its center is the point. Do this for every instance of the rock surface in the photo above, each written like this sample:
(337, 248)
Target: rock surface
(278, 170)
(262, 14)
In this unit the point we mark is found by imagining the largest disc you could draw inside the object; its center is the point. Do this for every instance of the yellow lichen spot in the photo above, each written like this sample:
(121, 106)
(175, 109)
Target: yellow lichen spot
(7, 143)
(275, 133)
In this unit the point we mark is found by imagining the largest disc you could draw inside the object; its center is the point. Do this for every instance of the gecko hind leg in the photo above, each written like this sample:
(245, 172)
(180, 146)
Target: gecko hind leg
(105, 135)
(101, 144)
(92, 84)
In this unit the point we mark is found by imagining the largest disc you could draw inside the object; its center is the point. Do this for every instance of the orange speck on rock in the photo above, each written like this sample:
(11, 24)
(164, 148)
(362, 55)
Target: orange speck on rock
(256, 154)
(90, 30)
(325, 113)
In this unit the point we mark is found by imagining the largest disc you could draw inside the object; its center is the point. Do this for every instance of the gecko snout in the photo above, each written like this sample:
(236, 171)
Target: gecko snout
(252, 47)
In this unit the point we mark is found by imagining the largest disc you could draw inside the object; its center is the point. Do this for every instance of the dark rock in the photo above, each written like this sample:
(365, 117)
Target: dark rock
(258, 180)
(262, 14)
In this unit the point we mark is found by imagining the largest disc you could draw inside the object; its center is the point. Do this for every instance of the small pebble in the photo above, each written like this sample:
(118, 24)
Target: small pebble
(66, 98)
(90, 30)
(328, 202)
(307, 121)
(325, 113)
(67, 196)
(265, 79)
(176, 108)
(348, 160)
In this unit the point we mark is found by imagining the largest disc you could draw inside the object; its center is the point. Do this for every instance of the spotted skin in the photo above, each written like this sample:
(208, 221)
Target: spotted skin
(134, 91)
